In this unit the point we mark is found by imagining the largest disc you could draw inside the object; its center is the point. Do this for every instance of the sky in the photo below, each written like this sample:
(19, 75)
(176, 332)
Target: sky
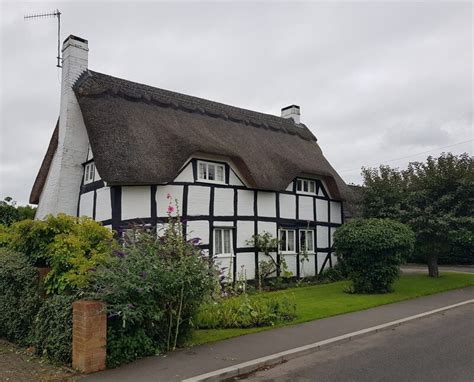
(377, 82)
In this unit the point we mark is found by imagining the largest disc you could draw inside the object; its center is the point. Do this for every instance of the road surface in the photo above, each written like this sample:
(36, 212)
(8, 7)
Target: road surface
(437, 348)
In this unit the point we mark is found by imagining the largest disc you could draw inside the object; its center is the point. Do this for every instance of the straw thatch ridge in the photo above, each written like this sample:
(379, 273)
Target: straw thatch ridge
(45, 165)
(143, 135)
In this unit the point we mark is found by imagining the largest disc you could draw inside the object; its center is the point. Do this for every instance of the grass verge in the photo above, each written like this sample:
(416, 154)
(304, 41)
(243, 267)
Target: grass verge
(320, 301)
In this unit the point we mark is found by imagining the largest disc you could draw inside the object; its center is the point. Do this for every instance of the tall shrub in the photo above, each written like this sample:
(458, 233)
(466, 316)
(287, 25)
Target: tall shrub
(19, 298)
(372, 251)
(71, 246)
(153, 289)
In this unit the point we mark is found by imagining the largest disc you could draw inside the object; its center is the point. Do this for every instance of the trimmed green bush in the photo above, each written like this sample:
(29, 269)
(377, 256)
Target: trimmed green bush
(243, 312)
(19, 297)
(372, 251)
(52, 330)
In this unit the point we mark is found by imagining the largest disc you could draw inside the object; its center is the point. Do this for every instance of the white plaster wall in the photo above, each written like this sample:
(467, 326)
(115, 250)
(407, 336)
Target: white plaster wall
(136, 202)
(333, 230)
(223, 201)
(103, 207)
(96, 175)
(306, 208)
(263, 257)
(225, 264)
(224, 224)
(186, 175)
(161, 229)
(86, 204)
(267, 227)
(325, 186)
(246, 265)
(90, 155)
(233, 179)
(334, 259)
(322, 236)
(162, 202)
(245, 203)
(335, 212)
(321, 210)
(245, 231)
(288, 206)
(266, 204)
(198, 200)
(291, 263)
(200, 229)
(307, 266)
(321, 257)
(290, 187)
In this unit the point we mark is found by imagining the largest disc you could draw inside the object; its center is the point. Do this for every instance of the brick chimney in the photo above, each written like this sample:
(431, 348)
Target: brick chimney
(61, 191)
(292, 111)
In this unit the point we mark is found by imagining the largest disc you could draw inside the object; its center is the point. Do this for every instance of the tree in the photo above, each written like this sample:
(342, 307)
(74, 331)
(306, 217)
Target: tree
(435, 198)
(10, 212)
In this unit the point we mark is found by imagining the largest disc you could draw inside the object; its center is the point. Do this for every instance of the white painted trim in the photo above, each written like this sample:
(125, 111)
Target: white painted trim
(207, 163)
(277, 358)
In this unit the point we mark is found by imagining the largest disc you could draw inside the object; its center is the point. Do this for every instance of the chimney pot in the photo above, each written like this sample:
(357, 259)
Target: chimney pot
(292, 111)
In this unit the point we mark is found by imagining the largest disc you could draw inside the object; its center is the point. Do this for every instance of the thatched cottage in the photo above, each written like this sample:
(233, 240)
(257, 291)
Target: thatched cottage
(119, 148)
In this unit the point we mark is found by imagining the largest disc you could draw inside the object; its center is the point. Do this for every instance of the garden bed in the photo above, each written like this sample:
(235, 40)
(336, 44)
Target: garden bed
(320, 301)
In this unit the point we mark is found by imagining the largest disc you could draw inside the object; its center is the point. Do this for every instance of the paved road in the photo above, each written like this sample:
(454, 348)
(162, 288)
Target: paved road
(420, 268)
(437, 348)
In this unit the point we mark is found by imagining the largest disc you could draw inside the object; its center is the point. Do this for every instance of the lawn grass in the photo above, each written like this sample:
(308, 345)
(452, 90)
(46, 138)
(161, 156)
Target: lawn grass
(319, 301)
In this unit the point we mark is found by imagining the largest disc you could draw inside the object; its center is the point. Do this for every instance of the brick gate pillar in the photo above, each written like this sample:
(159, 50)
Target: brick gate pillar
(89, 335)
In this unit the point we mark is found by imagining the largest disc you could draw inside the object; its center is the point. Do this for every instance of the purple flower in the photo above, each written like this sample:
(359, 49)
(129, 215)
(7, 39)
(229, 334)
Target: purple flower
(112, 316)
(194, 240)
(119, 254)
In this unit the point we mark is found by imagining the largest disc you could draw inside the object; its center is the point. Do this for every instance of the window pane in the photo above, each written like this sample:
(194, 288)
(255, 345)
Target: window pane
(311, 187)
(202, 171)
(283, 240)
(211, 172)
(220, 173)
(291, 241)
(298, 187)
(302, 241)
(309, 241)
(227, 241)
(91, 175)
(86, 175)
(218, 241)
(305, 185)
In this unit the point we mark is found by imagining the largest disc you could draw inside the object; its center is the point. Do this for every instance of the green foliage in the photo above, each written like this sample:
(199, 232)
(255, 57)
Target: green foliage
(243, 312)
(435, 198)
(153, 289)
(52, 329)
(266, 243)
(10, 212)
(372, 251)
(338, 272)
(71, 246)
(19, 298)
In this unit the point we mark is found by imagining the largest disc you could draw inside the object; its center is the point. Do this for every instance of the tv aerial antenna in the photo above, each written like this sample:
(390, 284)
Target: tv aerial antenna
(56, 14)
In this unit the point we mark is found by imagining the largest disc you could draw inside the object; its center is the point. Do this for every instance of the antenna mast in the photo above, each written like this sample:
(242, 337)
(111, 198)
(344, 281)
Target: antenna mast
(57, 14)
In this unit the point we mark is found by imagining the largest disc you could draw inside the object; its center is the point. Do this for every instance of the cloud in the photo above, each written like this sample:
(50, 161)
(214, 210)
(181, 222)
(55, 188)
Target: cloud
(375, 80)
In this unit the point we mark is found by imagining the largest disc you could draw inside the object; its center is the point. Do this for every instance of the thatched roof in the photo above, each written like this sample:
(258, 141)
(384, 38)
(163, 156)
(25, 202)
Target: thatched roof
(45, 165)
(143, 135)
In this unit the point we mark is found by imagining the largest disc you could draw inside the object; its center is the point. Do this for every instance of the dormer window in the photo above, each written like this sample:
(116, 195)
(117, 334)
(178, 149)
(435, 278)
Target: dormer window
(210, 172)
(306, 186)
(89, 173)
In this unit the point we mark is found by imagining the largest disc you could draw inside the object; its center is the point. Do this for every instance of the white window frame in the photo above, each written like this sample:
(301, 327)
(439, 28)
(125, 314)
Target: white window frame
(219, 231)
(306, 240)
(286, 250)
(89, 173)
(307, 182)
(216, 165)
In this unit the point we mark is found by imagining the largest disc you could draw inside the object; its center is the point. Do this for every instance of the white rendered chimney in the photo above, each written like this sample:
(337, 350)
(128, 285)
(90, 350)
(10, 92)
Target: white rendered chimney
(292, 111)
(61, 191)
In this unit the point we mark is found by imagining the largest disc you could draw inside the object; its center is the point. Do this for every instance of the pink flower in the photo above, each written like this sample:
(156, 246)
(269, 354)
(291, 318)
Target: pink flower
(168, 196)
(170, 209)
